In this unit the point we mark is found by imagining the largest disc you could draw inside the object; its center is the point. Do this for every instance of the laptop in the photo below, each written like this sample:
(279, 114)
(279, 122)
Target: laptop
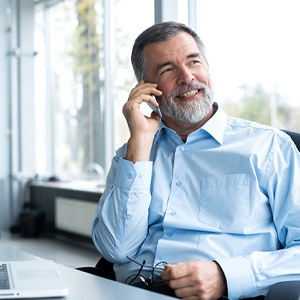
(31, 279)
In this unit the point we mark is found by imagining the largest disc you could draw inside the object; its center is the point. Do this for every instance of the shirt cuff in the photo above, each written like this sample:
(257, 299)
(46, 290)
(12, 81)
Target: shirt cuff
(131, 175)
(239, 277)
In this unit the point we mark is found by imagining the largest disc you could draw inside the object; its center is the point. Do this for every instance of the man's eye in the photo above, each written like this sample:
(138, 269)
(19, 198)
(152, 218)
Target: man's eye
(166, 70)
(194, 62)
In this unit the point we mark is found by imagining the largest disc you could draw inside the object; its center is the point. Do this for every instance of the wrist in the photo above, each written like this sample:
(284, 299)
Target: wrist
(139, 148)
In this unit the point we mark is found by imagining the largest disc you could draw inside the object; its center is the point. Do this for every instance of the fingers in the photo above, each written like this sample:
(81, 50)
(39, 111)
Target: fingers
(177, 270)
(141, 126)
(178, 276)
(144, 92)
(200, 279)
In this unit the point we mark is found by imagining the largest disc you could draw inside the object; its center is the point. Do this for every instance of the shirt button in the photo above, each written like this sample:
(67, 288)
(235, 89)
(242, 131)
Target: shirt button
(129, 176)
(141, 175)
(173, 213)
(169, 234)
(181, 148)
(178, 183)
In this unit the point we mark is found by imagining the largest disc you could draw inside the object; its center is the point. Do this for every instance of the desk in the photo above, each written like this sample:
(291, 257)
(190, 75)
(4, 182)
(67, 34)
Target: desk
(86, 286)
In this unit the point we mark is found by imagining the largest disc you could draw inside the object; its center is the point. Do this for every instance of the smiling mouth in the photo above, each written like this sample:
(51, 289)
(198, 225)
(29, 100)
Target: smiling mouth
(188, 94)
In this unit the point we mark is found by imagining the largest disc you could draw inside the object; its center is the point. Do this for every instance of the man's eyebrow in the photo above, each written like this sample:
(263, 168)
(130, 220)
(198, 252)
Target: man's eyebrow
(167, 63)
(194, 55)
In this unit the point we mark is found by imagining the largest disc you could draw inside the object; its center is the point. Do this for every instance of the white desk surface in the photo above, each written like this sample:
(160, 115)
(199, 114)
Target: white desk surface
(84, 286)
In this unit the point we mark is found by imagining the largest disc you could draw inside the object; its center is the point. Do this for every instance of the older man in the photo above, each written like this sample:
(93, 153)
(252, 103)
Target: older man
(215, 197)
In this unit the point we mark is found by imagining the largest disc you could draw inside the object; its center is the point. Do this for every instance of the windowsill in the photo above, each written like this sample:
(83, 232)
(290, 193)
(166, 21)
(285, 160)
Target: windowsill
(76, 185)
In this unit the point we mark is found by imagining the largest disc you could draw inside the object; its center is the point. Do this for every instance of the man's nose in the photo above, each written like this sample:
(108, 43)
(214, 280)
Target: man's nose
(185, 76)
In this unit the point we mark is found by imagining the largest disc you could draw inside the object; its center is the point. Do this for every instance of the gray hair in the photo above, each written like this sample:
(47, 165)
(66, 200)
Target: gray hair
(158, 33)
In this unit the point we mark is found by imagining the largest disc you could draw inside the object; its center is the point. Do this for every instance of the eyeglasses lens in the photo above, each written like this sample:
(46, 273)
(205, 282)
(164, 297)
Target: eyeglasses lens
(157, 271)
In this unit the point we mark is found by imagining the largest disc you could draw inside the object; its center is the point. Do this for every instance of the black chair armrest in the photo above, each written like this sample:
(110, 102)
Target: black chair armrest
(284, 290)
(295, 137)
(103, 268)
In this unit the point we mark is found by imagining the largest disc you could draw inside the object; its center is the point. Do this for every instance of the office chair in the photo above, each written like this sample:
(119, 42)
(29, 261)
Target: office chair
(295, 137)
(288, 290)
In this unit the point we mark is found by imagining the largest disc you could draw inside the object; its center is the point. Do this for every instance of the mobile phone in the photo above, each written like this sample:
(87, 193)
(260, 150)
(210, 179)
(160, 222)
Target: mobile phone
(156, 109)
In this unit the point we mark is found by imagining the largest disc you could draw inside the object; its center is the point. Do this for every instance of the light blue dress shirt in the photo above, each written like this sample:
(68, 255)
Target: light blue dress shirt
(230, 193)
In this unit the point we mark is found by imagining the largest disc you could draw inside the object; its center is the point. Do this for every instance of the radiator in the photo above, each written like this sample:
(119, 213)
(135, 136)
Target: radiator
(74, 215)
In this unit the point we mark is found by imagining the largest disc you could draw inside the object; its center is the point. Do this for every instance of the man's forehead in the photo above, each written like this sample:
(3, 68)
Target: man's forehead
(181, 43)
(182, 46)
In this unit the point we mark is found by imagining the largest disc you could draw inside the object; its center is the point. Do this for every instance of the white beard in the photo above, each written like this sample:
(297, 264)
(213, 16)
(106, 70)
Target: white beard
(191, 111)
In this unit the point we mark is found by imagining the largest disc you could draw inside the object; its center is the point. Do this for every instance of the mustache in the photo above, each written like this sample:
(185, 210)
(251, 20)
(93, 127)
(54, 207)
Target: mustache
(190, 87)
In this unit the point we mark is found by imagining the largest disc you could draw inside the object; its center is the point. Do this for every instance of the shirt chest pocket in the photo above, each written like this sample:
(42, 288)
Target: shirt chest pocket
(225, 202)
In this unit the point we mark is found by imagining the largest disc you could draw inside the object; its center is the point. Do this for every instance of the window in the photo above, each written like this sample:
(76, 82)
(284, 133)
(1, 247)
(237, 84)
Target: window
(68, 87)
(253, 50)
(127, 29)
(71, 78)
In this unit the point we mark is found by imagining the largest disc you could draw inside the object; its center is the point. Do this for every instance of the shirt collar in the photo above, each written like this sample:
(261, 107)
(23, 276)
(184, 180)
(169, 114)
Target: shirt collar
(215, 126)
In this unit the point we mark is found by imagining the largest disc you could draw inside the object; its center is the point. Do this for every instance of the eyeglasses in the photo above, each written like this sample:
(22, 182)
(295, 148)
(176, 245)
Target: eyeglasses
(155, 274)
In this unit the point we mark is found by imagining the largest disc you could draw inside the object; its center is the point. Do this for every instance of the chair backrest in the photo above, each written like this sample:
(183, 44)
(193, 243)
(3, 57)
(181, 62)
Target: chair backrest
(295, 137)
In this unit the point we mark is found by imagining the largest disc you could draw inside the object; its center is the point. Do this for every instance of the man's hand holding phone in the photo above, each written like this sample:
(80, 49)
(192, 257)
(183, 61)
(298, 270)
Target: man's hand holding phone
(142, 128)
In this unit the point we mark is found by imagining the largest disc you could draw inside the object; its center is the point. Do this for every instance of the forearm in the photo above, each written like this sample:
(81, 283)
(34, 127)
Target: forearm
(121, 220)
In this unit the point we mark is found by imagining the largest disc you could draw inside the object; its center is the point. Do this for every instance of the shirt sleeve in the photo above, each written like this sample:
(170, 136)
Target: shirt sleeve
(253, 274)
(121, 221)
